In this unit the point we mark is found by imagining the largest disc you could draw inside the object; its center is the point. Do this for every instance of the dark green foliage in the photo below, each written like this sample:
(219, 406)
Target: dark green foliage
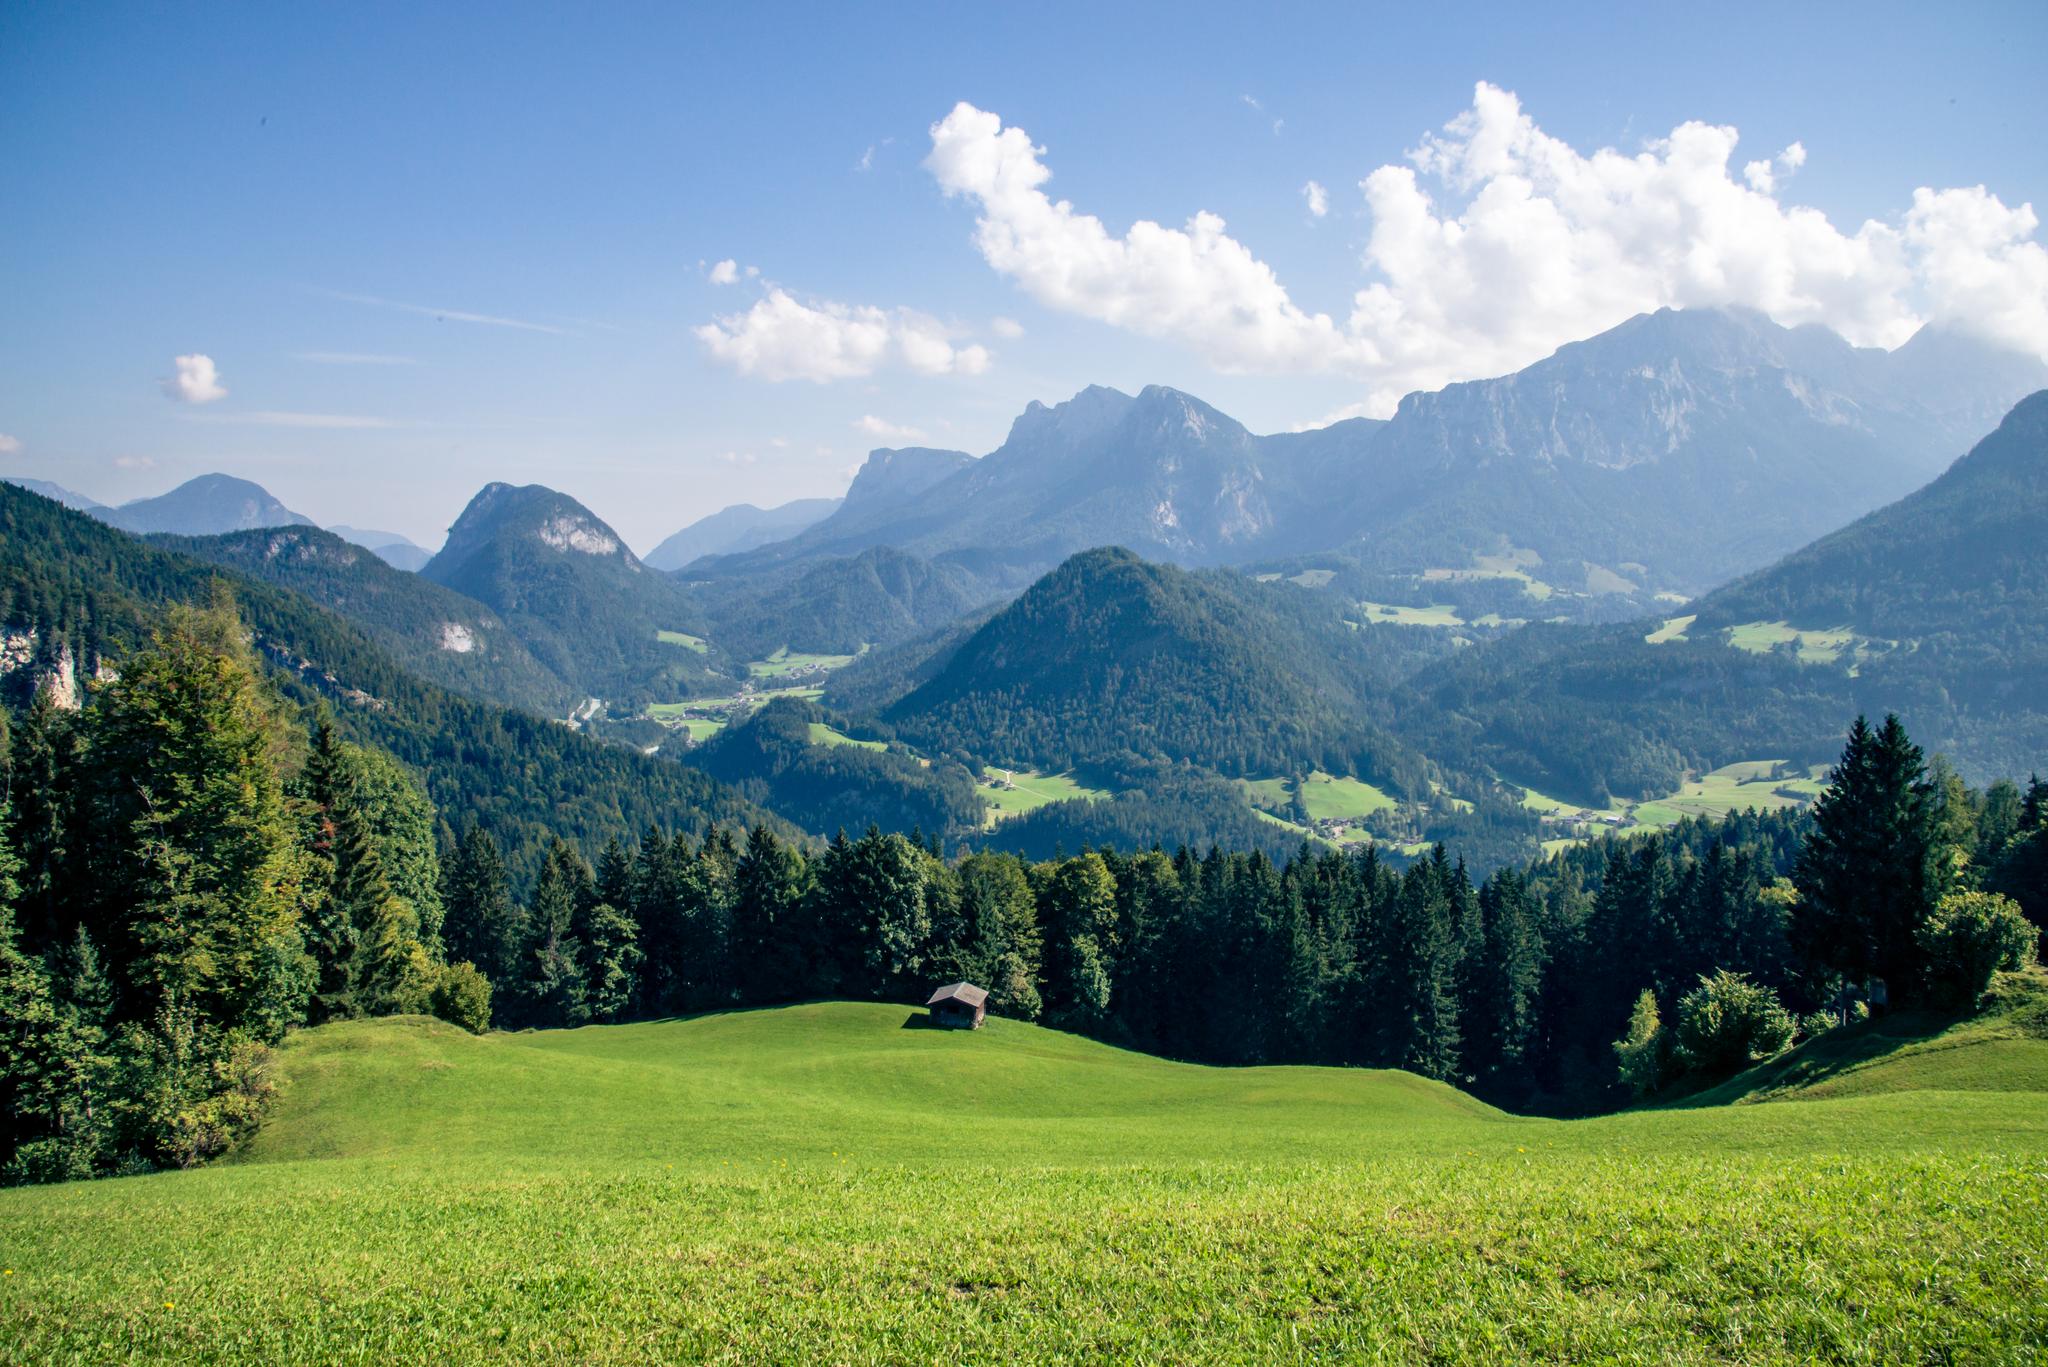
(427, 629)
(839, 606)
(1728, 1023)
(771, 758)
(482, 926)
(611, 962)
(769, 954)
(1968, 937)
(551, 988)
(1110, 661)
(1872, 870)
(998, 944)
(462, 996)
(192, 877)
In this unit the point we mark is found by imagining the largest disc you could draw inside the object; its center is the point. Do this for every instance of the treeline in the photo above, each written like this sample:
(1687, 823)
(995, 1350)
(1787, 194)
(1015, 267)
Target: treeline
(185, 875)
(1517, 985)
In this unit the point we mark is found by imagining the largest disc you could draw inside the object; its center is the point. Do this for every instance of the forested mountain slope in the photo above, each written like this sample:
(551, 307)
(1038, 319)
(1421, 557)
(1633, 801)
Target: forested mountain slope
(1932, 607)
(583, 603)
(74, 589)
(1113, 660)
(839, 606)
(435, 632)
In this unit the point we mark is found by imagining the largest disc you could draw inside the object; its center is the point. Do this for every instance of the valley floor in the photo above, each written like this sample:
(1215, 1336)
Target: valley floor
(829, 1183)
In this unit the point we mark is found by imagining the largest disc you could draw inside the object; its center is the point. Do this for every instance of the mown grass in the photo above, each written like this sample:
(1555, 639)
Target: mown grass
(822, 1184)
(1327, 797)
(685, 640)
(1029, 790)
(821, 734)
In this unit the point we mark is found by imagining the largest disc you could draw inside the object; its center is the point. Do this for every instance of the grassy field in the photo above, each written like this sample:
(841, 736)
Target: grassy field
(1327, 797)
(1674, 629)
(822, 734)
(1732, 787)
(684, 639)
(1030, 790)
(820, 1183)
(786, 661)
(1401, 615)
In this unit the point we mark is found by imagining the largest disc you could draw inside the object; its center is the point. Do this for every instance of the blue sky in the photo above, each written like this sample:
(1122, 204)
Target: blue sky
(424, 247)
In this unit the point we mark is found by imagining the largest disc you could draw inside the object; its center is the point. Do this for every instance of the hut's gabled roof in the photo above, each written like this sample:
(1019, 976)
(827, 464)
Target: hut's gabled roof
(967, 994)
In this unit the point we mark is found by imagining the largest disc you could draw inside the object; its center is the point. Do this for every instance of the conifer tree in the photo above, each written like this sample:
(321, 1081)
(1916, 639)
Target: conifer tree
(770, 885)
(199, 882)
(1871, 870)
(481, 926)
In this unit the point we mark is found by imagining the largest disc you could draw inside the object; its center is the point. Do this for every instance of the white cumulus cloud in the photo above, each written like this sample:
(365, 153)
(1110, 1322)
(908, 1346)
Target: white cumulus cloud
(726, 272)
(9, 445)
(196, 380)
(1318, 198)
(883, 430)
(1006, 327)
(1496, 243)
(784, 338)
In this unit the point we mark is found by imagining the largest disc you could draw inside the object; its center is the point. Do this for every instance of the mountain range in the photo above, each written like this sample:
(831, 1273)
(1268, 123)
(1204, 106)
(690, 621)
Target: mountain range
(740, 527)
(1664, 456)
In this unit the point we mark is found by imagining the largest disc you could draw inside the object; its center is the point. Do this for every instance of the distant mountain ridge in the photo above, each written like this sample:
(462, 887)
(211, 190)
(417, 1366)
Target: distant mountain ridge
(1931, 607)
(740, 527)
(71, 499)
(1667, 454)
(206, 506)
(391, 547)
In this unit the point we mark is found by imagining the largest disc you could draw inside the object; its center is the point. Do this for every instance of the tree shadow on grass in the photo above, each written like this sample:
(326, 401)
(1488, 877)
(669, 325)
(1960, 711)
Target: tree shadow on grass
(1838, 1051)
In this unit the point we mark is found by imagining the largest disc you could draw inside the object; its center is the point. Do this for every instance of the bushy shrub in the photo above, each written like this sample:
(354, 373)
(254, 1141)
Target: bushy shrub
(1643, 1055)
(1815, 1024)
(192, 1092)
(1968, 937)
(462, 996)
(1727, 1023)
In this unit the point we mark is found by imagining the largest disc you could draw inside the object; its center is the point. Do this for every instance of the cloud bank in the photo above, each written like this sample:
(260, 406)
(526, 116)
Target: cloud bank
(196, 380)
(783, 338)
(1496, 243)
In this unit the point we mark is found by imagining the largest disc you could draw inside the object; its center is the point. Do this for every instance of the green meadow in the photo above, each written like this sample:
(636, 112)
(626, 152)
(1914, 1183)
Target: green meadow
(1327, 797)
(786, 661)
(827, 1183)
(1029, 790)
(821, 734)
(685, 640)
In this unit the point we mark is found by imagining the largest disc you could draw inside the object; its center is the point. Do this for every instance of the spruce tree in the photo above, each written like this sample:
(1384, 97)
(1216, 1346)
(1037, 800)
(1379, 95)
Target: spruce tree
(1870, 871)
(480, 926)
(770, 885)
(198, 880)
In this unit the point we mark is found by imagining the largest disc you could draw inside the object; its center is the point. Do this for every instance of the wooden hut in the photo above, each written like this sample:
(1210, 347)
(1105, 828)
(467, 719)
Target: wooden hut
(959, 1006)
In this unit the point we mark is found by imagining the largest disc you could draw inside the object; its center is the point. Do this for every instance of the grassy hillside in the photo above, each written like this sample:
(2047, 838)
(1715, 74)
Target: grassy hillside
(820, 1183)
